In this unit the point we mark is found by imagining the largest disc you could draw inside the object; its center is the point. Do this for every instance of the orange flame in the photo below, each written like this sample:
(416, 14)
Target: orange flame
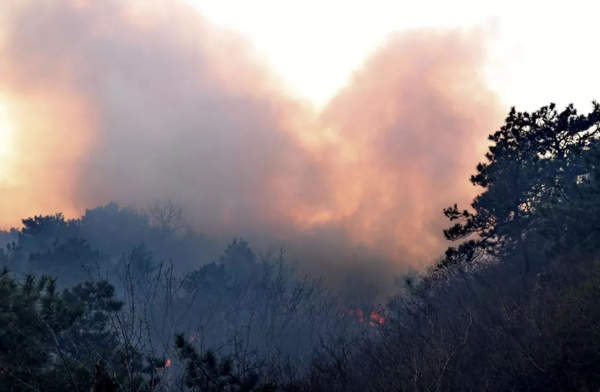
(375, 317)
(166, 365)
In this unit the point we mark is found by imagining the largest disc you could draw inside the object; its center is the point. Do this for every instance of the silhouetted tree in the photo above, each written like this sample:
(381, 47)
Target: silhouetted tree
(535, 160)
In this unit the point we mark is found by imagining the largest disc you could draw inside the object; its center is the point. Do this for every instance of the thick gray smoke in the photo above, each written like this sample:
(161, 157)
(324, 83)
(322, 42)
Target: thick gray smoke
(133, 102)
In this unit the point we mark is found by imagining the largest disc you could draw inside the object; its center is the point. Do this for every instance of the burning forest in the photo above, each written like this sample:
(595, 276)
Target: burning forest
(185, 208)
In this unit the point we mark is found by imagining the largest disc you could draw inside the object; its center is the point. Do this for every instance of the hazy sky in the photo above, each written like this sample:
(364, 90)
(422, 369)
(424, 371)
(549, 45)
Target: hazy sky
(539, 51)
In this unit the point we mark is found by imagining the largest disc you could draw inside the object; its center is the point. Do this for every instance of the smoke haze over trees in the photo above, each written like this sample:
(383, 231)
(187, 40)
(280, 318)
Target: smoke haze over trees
(138, 306)
(152, 102)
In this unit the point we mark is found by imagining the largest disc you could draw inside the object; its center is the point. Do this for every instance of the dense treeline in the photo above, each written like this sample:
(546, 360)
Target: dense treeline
(513, 306)
(255, 312)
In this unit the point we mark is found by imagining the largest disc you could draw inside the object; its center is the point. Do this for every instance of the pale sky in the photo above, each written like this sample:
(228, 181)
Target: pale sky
(538, 51)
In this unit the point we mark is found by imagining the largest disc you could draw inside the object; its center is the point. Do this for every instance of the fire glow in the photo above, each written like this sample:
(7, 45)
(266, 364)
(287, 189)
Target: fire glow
(166, 365)
(375, 318)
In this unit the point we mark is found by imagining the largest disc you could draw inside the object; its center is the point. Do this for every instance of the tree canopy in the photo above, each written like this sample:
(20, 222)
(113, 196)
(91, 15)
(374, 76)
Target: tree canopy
(536, 163)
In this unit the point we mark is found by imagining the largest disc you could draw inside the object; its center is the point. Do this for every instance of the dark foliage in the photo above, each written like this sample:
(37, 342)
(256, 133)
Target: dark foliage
(52, 341)
(208, 373)
(536, 160)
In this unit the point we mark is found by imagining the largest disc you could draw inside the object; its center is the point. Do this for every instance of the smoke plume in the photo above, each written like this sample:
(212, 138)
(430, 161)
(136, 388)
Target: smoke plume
(138, 101)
